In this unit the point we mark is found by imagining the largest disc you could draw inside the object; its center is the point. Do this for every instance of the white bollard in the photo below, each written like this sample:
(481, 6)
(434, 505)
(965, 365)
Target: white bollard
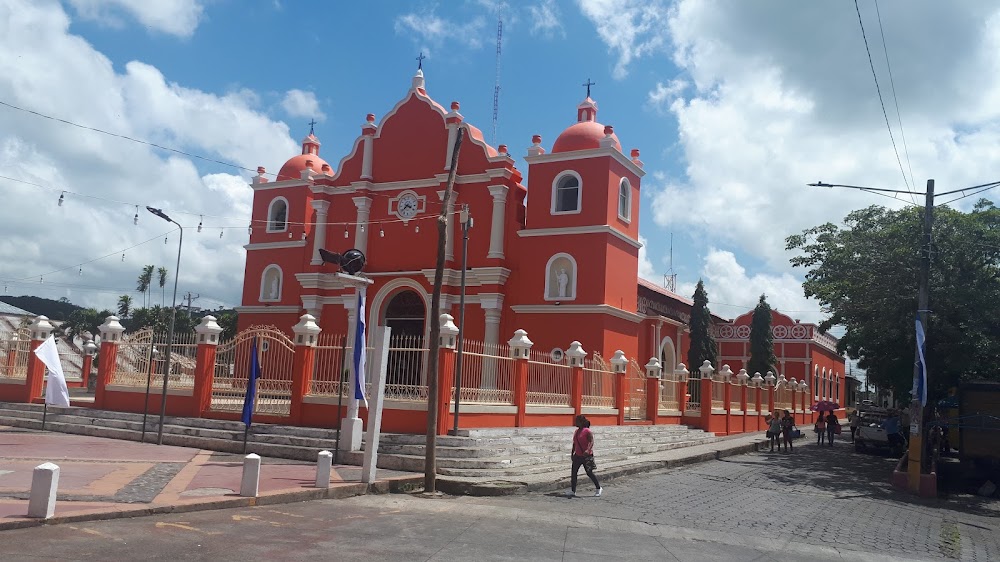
(323, 467)
(44, 483)
(251, 476)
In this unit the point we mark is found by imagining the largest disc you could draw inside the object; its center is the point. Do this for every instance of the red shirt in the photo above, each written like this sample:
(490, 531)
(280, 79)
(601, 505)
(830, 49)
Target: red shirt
(581, 442)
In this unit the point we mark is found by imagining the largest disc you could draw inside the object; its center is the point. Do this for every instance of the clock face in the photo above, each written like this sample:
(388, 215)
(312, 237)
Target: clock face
(407, 206)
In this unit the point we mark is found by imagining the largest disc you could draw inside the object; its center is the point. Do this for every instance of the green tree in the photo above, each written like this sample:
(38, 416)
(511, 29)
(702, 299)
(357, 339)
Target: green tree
(83, 322)
(864, 274)
(143, 283)
(703, 346)
(124, 306)
(162, 273)
(762, 357)
(227, 320)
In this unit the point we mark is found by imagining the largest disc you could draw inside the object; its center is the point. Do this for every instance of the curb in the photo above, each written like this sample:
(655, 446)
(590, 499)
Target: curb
(393, 485)
(509, 488)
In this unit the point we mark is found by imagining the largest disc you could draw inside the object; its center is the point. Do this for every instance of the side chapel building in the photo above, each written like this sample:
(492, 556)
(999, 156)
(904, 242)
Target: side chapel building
(563, 268)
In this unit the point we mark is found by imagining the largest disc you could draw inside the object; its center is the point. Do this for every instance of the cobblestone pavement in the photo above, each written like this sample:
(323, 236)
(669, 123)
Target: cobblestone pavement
(825, 496)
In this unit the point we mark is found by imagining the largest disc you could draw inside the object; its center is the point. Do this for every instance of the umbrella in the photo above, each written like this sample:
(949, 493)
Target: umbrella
(824, 406)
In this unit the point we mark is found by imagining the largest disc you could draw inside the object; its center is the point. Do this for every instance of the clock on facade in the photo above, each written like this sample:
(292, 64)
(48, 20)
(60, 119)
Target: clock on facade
(407, 206)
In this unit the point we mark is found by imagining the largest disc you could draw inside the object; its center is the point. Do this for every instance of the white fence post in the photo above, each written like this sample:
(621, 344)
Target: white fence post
(376, 402)
(250, 485)
(44, 483)
(323, 466)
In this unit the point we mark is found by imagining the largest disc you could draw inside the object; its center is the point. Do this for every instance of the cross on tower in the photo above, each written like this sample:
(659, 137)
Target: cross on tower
(312, 123)
(420, 61)
(588, 84)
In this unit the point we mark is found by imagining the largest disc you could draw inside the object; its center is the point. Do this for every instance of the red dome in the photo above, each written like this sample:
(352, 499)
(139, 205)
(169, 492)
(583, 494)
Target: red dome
(582, 136)
(292, 170)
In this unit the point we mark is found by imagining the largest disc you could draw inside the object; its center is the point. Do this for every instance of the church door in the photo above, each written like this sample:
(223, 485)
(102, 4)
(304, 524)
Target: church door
(405, 315)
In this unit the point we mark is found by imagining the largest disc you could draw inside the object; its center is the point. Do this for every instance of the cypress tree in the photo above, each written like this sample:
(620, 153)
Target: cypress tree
(703, 344)
(762, 357)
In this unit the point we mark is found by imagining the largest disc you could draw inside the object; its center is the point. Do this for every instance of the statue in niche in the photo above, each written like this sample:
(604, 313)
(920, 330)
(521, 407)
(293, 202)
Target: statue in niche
(272, 292)
(563, 280)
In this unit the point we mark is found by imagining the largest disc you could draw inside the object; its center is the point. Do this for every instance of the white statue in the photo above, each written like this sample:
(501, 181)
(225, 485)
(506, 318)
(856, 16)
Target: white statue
(563, 279)
(273, 290)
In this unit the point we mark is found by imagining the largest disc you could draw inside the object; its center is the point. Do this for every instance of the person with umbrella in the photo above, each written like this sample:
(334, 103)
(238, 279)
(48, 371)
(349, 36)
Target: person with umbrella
(832, 427)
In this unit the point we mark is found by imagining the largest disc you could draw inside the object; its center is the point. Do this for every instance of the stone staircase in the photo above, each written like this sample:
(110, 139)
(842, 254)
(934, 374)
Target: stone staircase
(500, 453)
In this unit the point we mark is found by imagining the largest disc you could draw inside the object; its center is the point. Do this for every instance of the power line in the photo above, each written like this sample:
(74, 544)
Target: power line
(882, 103)
(985, 187)
(81, 264)
(892, 83)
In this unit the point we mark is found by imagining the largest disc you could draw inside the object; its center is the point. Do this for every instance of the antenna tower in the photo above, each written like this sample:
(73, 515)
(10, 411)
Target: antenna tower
(670, 278)
(496, 86)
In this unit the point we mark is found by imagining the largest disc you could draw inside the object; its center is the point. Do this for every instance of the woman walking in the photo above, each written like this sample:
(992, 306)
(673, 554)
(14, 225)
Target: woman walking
(832, 427)
(774, 430)
(820, 429)
(787, 423)
(583, 455)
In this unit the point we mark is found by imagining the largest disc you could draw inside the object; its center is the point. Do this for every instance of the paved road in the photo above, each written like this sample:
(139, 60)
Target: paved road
(814, 504)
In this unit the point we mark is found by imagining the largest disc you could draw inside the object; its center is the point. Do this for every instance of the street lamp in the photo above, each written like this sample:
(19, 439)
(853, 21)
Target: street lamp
(173, 317)
(466, 221)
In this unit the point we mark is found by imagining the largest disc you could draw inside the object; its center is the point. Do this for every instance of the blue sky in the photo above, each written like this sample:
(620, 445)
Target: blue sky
(734, 107)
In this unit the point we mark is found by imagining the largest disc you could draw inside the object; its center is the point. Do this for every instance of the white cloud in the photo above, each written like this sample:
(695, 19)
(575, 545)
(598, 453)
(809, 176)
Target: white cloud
(44, 60)
(732, 292)
(630, 28)
(647, 270)
(298, 103)
(664, 95)
(782, 95)
(176, 17)
(545, 18)
(429, 28)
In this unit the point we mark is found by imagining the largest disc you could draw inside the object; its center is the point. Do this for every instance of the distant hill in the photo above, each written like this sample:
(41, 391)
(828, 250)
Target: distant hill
(55, 310)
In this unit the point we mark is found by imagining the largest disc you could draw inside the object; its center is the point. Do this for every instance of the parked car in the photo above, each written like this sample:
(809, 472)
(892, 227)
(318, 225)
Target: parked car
(880, 429)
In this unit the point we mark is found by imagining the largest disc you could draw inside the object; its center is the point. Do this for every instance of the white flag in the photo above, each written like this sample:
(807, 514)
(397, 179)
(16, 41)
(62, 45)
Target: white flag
(56, 392)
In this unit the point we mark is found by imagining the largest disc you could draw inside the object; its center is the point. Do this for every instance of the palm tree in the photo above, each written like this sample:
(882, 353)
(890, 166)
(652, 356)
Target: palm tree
(124, 306)
(162, 272)
(145, 280)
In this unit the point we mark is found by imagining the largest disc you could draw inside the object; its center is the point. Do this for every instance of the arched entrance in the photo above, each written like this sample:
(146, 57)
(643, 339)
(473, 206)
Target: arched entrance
(405, 315)
(668, 360)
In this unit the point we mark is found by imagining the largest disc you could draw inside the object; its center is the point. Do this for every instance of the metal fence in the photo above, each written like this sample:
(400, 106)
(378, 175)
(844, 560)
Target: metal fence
(668, 393)
(276, 353)
(16, 346)
(132, 364)
(752, 398)
(735, 397)
(694, 391)
(598, 384)
(406, 371)
(487, 375)
(549, 384)
(718, 395)
(635, 391)
(331, 368)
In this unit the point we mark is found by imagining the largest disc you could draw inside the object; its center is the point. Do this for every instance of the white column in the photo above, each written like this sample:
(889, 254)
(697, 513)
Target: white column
(319, 233)
(376, 401)
(499, 193)
(366, 161)
(364, 205)
(452, 136)
(351, 425)
(491, 341)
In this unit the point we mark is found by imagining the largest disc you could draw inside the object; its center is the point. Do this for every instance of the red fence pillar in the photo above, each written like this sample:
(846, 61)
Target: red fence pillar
(204, 370)
(576, 355)
(306, 333)
(111, 335)
(620, 363)
(727, 396)
(653, 374)
(769, 379)
(446, 371)
(520, 349)
(89, 348)
(40, 328)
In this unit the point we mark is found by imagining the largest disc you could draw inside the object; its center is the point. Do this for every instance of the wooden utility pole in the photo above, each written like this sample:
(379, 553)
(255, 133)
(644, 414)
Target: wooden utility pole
(918, 410)
(430, 460)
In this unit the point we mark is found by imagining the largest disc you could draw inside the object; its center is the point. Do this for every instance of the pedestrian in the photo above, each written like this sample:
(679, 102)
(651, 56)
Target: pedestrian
(832, 427)
(787, 424)
(773, 430)
(820, 429)
(855, 421)
(583, 455)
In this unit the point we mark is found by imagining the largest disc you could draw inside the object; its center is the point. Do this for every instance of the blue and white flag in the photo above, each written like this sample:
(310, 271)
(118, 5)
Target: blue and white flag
(920, 384)
(360, 346)
(251, 394)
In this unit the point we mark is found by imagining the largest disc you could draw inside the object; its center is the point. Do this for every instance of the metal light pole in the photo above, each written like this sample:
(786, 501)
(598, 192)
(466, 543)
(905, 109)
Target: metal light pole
(173, 317)
(466, 225)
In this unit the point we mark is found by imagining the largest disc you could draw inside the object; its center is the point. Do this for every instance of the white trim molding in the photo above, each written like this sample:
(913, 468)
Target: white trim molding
(274, 245)
(596, 229)
(577, 309)
(263, 309)
(584, 154)
(475, 277)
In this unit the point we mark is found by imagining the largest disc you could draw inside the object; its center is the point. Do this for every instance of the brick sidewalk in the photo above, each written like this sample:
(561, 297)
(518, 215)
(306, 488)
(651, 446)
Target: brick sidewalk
(107, 478)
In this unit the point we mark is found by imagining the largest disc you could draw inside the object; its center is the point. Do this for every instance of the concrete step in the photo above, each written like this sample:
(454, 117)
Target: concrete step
(637, 442)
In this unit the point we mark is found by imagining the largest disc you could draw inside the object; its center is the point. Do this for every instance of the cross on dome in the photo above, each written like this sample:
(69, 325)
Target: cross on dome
(588, 84)
(420, 61)
(312, 123)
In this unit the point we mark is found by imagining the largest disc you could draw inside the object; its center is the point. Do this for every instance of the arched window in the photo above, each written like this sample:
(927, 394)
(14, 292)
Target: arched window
(270, 284)
(825, 386)
(625, 200)
(277, 215)
(816, 381)
(566, 193)
(560, 278)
